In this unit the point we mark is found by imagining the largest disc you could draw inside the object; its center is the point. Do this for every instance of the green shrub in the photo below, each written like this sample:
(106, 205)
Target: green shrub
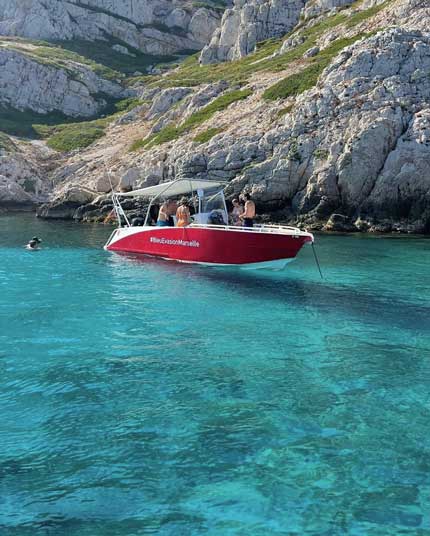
(125, 105)
(219, 104)
(76, 136)
(207, 135)
(321, 154)
(294, 84)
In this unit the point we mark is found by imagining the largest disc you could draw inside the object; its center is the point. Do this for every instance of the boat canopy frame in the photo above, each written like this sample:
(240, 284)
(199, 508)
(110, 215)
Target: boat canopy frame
(155, 192)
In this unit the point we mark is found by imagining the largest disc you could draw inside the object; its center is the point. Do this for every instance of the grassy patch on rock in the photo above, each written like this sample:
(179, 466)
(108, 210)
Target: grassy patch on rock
(284, 111)
(50, 54)
(308, 77)
(207, 135)
(70, 136)
(170, 132)
(21, 123)
(102, 53)
(76, 136)
(6, 144)
(62, 132)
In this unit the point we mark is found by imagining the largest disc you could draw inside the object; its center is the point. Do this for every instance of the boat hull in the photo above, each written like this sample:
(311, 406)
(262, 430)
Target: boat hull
(212, 246)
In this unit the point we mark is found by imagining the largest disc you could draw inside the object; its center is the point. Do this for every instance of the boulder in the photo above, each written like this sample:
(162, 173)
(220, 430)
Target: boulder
(339, 223)
(165, 100)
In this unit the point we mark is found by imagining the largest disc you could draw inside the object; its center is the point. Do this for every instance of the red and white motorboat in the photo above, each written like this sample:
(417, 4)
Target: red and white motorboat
(203, 242)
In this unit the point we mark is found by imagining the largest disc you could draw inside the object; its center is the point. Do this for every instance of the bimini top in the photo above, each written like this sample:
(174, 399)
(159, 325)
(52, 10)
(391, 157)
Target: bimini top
(174, 188)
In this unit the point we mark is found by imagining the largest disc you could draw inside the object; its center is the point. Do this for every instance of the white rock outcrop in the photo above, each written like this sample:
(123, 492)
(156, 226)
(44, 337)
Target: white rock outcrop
(250, 22)
(23, 173)
(75, 90)
(152, 26)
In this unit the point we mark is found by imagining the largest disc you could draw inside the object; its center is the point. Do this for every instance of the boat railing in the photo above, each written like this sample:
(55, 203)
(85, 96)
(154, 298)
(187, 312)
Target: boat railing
(257, 228)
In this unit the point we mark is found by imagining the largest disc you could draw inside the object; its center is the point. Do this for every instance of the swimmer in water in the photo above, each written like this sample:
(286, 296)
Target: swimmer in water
(34, 243)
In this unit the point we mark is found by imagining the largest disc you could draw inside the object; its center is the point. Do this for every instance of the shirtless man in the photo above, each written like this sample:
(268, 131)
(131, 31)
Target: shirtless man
(249, 213)
(167, 209)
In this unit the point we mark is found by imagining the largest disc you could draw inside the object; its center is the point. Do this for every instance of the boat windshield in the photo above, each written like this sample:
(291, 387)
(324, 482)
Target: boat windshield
(212, 201)
(212, 208)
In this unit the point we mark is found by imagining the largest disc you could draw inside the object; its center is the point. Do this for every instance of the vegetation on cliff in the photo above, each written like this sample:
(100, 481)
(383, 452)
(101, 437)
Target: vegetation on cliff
(171, 132)
(267, 57)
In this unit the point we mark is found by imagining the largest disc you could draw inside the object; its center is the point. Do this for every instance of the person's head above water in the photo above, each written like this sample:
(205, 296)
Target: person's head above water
(34, 243)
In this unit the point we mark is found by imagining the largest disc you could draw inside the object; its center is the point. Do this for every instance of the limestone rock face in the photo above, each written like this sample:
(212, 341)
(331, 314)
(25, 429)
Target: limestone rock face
(166, 99)
(248, 23)
(26, 83)
(23, 174)
(152, 26)
(357, 145)
(317, 7)
(401, 191)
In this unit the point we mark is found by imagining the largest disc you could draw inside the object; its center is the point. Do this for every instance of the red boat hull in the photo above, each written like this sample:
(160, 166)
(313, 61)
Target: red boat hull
(209, 245)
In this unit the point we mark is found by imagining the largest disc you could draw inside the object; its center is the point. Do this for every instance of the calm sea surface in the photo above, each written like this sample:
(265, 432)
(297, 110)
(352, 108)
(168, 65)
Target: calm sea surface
(147, 397)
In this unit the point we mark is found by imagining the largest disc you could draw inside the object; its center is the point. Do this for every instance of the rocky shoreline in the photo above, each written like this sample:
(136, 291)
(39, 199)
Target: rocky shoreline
(99, 211)
(327, 127)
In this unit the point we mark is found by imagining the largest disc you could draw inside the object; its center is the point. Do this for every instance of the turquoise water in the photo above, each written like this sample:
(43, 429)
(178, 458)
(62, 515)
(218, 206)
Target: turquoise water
(147, 397)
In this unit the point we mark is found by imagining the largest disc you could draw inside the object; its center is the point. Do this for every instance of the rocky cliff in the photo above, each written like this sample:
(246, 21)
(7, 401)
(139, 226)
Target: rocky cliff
(33, 77)
(327, 126)
(249, 23)
(152, 26)
(24, 173)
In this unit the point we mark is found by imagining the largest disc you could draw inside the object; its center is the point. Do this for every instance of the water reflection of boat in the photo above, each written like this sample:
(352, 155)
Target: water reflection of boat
(204, 241)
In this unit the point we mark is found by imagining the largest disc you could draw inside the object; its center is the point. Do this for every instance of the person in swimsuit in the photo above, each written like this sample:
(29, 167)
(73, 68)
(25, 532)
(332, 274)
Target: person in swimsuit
(236, 213)
(249, 213)
(165, 213)
(183, 216)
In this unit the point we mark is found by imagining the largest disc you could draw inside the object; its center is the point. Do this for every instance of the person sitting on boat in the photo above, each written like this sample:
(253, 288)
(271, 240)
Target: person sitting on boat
(249, 213)
(236, 212)
(183, 216)
(165, 213)
(34, 243)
